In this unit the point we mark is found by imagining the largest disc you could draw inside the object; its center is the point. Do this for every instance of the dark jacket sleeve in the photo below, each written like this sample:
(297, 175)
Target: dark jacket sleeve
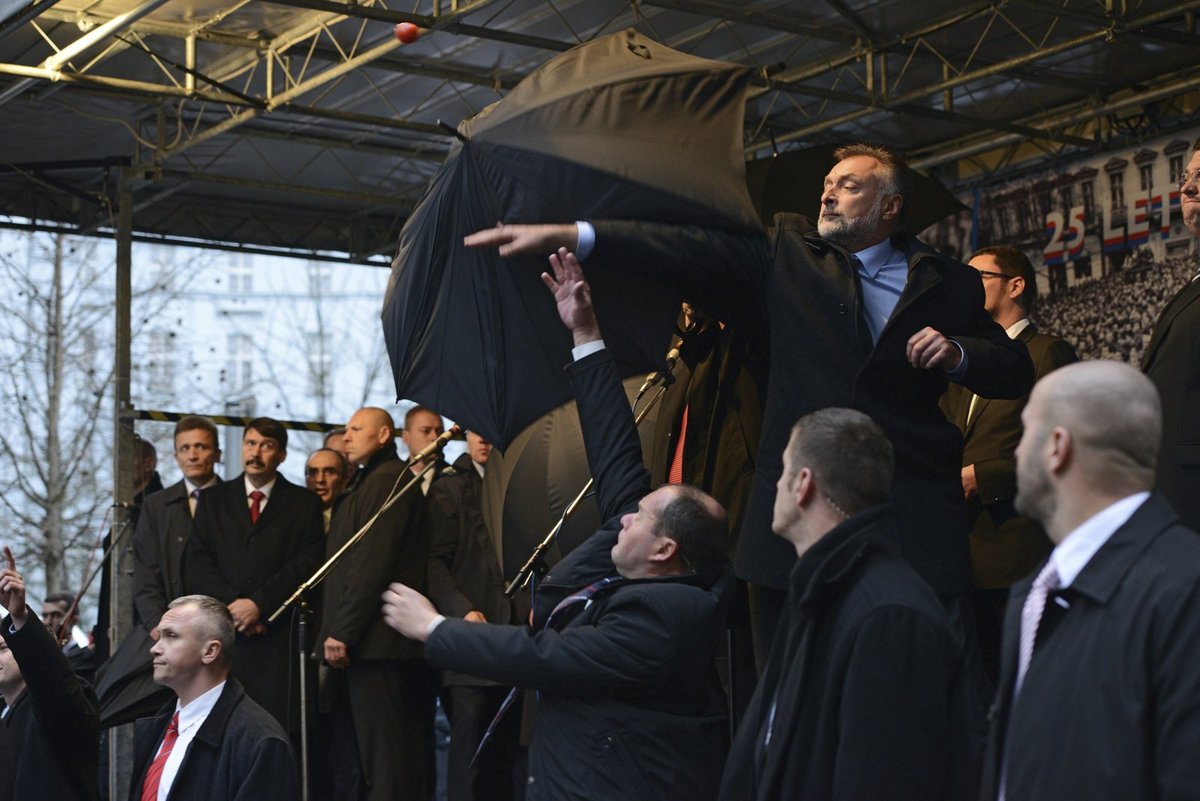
(66, 707)
(722, 273)
(149, 595)
(445, 512)
(270, 773)
(629, 646)
(997, 366)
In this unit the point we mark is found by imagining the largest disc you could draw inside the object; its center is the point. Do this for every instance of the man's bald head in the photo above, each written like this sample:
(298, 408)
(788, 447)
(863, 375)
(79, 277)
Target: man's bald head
(369, 431)
(1113, 415)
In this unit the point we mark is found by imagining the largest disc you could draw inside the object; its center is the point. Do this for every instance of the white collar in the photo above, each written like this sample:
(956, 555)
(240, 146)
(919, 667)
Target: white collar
(197, 711)
(1071, 555)
(1016, 328)
(265, 489)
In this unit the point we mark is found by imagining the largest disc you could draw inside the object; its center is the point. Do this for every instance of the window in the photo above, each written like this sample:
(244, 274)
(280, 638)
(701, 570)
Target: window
(1088, 192)
(240, 373)
(1117, 188)
(1146, 173)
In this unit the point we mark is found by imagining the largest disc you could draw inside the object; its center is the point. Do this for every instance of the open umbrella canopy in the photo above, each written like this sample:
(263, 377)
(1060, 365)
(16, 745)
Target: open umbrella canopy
(621, 127)
(793, 181)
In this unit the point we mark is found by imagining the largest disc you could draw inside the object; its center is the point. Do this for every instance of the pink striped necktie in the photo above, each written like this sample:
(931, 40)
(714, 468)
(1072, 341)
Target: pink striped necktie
(1031, 617)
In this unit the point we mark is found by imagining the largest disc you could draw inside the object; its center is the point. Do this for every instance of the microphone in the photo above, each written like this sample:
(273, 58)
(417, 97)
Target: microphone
(663, 375)
(435, 446)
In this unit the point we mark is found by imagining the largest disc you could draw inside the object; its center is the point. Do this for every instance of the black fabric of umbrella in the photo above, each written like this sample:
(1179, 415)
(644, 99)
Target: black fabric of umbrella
(620, 127)
(125, 684)
(793, 182)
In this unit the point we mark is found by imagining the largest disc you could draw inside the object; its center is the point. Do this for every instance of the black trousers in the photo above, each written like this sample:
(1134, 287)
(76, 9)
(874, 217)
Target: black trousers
(471, 709)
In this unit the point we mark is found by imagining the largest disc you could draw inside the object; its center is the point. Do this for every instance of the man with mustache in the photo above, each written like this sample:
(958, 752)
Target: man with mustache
(254, 539)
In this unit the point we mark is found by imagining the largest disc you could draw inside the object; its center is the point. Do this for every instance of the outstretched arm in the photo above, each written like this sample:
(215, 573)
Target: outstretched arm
(525, 240)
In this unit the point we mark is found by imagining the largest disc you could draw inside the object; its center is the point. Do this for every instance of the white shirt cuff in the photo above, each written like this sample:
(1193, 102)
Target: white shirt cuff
(433, 624)
(961, 369)
(586, 235)
(587, 349)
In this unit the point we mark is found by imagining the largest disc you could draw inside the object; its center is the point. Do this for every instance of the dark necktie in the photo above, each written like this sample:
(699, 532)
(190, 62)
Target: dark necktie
(255, 505)
(195, 496)
(154, 774)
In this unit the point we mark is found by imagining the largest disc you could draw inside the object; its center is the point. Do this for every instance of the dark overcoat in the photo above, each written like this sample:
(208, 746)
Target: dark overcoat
(49, 740)
(865, 692)
(228, 557)
(239, 753)
(629, 704)
(1172, 362)
(163, 527)
(1110, 707)
(807, 293)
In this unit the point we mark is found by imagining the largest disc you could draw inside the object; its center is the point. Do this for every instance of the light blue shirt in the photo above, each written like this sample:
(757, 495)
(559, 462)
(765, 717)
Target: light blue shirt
(883, 272)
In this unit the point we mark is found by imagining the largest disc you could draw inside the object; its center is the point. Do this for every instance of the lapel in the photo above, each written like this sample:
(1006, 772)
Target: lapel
(209, 736)
(1183, 298)
(922, 277)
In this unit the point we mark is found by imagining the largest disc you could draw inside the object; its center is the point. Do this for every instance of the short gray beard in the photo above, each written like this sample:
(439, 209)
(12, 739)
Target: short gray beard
(849, 233)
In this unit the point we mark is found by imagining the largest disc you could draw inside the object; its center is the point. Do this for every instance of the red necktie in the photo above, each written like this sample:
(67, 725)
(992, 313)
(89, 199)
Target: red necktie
(154, 774)
(255, 505)
(675, 474)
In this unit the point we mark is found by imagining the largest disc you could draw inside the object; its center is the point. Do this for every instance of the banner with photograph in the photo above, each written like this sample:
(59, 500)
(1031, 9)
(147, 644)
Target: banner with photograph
(1105, 234)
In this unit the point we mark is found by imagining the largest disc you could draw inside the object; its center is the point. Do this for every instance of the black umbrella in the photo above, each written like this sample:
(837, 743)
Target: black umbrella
(793, 181)
(621, 127)
(125, 684)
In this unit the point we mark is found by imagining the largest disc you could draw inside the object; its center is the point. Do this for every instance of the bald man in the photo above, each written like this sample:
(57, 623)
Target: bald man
(1099, 694)
(388, 688)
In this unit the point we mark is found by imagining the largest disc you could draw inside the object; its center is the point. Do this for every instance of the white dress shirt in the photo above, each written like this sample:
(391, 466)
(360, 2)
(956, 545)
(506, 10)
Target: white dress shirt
(191, 717)
(265, 489)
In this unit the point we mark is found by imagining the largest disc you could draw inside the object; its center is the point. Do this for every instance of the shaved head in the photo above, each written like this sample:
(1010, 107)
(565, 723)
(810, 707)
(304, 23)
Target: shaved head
(369, 431)
(1114, 413)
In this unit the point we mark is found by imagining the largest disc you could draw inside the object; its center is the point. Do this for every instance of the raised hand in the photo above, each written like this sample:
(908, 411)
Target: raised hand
(12, 589)
(573, 296)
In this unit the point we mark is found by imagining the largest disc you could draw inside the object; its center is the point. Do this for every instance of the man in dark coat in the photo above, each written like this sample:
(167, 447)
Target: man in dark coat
(866, 692)
(624, 627)
(1173, 366)
(1099, 695)
(383, 701)
(1005, 546)
(212, 743)
(165, 522)
(858, 315)
(49, 740)
(465, 582)
(254, 540)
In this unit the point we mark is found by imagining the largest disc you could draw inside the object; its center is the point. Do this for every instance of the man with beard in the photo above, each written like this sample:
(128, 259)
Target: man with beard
(1171, 363)
(1099, 695)
(859, 315)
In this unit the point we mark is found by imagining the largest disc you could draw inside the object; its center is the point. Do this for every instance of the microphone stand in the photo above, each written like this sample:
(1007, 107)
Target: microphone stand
(534, 564)
(304, 613)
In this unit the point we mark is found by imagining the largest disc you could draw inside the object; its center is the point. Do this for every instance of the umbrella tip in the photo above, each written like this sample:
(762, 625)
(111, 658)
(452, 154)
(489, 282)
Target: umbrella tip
(453, 131)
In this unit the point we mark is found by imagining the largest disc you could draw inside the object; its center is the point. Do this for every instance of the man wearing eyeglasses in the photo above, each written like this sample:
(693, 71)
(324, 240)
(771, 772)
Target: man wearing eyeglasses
(1171, 363)
(1005, 546)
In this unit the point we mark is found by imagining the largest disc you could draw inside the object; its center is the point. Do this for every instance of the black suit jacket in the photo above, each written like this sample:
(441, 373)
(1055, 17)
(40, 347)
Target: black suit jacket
(228, 557)
(1005, 546)
(163, 527)
(804, 293)
(1110, 707)
(240, 753)
(1172, 362)
(49, 740)
(630, 706)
